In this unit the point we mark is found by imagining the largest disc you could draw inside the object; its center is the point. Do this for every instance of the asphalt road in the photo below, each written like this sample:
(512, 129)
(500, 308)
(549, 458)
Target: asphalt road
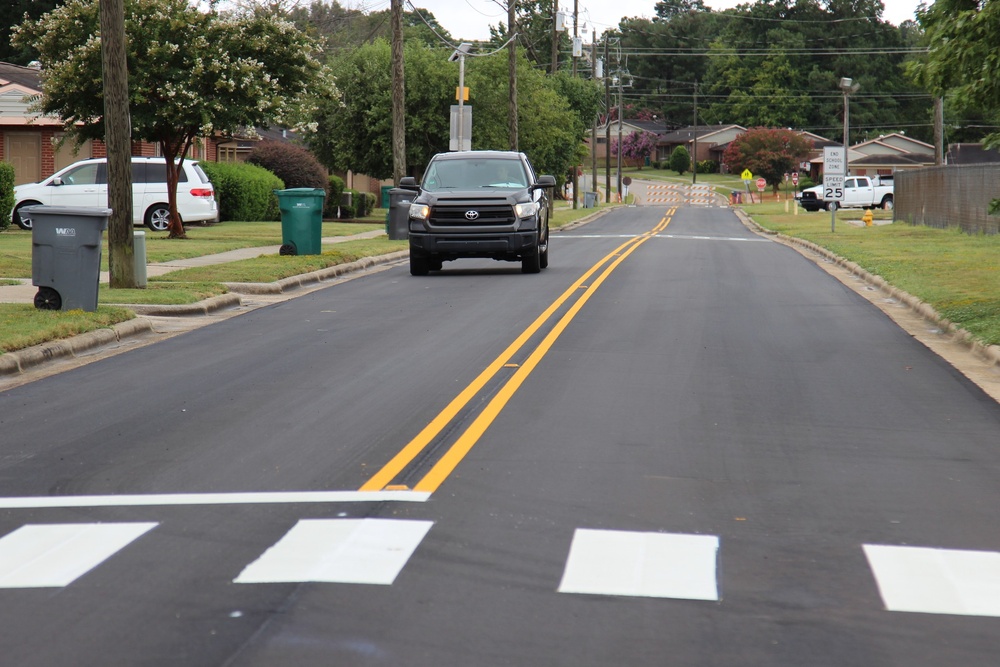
(681, 444)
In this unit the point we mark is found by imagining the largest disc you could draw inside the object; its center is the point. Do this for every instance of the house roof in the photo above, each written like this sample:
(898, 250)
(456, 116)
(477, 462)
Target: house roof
(896, 141)
(27, 77)
(687, 134)
(894, 160)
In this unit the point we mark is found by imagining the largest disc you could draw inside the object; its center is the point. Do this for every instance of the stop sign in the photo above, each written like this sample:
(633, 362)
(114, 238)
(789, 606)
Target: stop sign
(761, 184)
(795, 178)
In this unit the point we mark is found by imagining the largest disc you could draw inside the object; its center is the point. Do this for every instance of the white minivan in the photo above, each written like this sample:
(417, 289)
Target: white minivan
(85, 183)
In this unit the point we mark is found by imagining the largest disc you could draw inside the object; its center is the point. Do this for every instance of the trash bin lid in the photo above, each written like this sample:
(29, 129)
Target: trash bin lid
(91, 211)
(297, 192)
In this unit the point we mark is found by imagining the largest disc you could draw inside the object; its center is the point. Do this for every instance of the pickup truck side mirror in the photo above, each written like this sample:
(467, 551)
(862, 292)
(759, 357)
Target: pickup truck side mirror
(408, 183)
(544, 181)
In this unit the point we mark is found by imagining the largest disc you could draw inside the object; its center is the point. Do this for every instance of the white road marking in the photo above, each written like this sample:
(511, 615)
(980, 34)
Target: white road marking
(262, 498)
(53, 555)
(350, 551)
(936, 581)
(662, 565)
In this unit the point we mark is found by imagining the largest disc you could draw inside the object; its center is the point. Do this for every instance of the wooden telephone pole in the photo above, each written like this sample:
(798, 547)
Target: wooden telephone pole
(118, 139)
(398, 95)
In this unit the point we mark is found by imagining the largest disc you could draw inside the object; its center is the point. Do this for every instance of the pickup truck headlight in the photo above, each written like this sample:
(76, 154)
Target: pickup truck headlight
(526, 210)
(420, 211)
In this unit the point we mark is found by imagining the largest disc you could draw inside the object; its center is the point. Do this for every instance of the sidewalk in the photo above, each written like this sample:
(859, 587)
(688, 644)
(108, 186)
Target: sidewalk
(25, 292)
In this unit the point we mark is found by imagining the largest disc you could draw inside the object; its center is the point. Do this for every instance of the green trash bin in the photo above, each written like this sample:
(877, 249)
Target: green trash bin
(385, 196)
(301, 220)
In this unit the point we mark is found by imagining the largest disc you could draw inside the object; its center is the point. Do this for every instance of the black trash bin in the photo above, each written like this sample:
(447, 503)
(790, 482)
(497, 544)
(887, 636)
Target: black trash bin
(66, 255)
(301, 220)
(398, 222)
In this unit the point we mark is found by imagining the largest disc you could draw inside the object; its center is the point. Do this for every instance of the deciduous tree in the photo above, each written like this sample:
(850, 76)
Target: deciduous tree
(767, 152)
(191, 73)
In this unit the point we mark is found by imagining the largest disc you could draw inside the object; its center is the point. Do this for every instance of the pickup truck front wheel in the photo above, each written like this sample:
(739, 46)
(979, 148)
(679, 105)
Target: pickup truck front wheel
(419, 266)
(832, 206)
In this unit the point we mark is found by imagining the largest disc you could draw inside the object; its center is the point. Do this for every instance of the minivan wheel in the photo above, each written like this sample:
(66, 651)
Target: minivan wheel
(23, 222)
(158, 217)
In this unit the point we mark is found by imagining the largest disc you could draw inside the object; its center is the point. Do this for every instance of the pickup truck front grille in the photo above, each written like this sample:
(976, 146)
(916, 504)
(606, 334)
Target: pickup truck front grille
(472, 215)
(808, 195)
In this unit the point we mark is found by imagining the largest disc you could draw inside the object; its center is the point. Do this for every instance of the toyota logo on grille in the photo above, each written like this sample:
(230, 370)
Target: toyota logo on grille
(472, 215)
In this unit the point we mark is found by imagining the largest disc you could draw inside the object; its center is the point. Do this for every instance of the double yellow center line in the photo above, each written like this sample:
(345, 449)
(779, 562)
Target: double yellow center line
(465, 442)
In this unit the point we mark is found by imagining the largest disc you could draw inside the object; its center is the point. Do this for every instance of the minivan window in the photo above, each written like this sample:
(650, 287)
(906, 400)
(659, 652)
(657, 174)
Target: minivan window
(156, 172)
(85, 174)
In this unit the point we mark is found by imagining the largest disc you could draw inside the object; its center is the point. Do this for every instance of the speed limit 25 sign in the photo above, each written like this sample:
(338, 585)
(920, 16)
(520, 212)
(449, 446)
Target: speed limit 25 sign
(833, 187)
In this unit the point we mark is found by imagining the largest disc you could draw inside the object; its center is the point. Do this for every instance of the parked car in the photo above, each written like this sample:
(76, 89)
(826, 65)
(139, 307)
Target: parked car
(479, 204)
(85, 183)
(859, 192)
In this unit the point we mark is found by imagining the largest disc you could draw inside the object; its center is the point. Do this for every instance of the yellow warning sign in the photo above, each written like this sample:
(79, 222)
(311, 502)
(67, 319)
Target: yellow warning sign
(746, 175)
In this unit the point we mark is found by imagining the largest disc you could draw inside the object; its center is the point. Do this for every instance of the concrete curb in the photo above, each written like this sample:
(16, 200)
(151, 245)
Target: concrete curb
(19, 361)
(990, 353)
(306, 279)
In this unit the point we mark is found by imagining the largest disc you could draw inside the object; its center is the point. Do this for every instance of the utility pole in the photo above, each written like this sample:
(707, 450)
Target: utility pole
(398, 95)
(555, 37)
(118, 139)
(576, 34)
(938, 131)
(607, 125)
(593, 133)
(512, 75)
(694, 157)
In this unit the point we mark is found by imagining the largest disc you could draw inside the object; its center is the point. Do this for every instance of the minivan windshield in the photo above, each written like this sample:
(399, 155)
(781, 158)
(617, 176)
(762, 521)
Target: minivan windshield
(473, 174)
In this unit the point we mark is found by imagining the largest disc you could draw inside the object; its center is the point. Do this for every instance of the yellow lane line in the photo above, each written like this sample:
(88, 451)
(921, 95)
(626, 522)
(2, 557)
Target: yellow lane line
(413, 449)
(447, 464)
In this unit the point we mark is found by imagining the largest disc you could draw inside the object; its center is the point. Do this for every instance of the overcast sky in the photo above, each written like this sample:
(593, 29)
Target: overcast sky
(470, 19)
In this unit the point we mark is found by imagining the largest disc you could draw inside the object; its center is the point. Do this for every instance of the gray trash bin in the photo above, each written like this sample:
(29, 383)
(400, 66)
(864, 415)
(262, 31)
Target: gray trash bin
(589, 199)
(66, 255)
(398, 223)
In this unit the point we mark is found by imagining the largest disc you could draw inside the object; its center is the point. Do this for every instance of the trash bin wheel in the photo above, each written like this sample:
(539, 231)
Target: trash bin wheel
(48, 299)
(288, 249)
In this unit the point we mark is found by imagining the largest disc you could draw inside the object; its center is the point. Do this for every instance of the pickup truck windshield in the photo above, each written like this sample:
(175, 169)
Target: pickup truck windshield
(474, 175)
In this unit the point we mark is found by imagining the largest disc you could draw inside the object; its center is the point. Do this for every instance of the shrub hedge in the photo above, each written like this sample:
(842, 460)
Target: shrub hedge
(6, 193)
(245, 191)
(293, 164)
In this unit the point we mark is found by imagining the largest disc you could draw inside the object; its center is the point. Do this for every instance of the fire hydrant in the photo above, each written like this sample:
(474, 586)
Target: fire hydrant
(867, 218)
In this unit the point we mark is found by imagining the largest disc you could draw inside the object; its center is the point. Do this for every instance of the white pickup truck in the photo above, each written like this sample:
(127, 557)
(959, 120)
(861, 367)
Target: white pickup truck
(859, 192)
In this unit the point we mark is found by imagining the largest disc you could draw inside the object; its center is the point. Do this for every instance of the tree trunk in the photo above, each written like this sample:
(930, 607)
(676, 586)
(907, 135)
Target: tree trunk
(173, 168)
(118, 139)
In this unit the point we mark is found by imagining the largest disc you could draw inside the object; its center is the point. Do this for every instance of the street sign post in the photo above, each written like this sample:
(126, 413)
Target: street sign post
(834, 173)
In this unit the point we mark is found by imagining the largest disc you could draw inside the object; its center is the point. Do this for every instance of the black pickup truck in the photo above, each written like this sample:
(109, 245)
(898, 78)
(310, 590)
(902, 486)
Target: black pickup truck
(479, 204)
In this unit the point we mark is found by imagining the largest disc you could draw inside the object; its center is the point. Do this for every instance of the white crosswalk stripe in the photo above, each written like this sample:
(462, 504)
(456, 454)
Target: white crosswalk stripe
(936, 581)
(661, 565)
(350, 551)
(55, 555)
(599, 562)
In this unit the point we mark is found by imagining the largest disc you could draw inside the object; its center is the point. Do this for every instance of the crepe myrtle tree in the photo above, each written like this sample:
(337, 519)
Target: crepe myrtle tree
(637, 146)
(191, 73)
(770, 153)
